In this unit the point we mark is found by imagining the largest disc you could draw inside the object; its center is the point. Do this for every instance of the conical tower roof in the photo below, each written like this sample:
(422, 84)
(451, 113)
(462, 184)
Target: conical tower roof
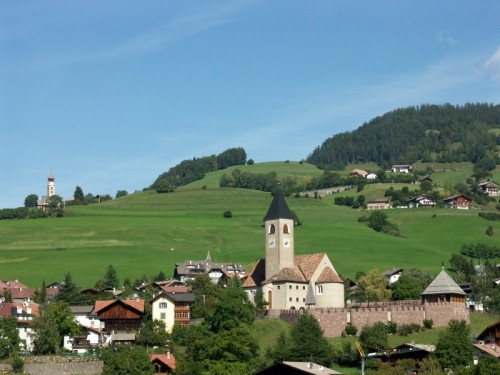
(278, 208)
(443, 284)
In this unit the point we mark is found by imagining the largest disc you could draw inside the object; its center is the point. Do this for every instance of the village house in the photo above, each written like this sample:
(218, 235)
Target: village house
(371, 176)
(489, 188)
(393, 274)
(421, 201)
(488, 341)
(297, 368)
(290, 281)
(88, 337)
(416, 352)
(378, 204)
(404, 168)
(358, 173)
(459, 201)
(172, 308)
(24, 313)
(189, 269)
(164, 363)
(120, 315)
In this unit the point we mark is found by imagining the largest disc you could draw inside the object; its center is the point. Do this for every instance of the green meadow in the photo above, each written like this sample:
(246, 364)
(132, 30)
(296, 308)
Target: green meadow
(145, 233)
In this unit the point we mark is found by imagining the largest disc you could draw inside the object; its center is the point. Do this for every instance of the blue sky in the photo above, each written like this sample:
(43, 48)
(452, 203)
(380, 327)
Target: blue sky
(107, 95)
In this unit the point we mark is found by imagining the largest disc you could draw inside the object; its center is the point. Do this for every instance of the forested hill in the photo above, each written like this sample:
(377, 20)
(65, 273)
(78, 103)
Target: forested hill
(443, 133)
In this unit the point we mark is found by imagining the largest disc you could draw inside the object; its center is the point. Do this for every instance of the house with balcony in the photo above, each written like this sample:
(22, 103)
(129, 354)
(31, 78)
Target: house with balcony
(172, 308)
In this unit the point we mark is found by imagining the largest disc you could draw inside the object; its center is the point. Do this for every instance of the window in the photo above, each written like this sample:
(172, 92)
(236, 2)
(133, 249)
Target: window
(279, 287)
(304, 287)
(303, 300)
(319, 289)
(163, 305)
(285, 229)
(297, 287)
(289, 287)
(296, 300)
(163, 316)
(290, 299)
(272, 229)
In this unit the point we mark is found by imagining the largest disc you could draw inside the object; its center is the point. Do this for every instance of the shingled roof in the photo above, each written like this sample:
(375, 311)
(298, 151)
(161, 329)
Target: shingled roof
(443, 284)
(278, 208)
(329, 276)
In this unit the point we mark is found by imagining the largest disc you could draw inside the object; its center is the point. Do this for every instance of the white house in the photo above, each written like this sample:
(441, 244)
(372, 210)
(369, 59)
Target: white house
(24, 313)
(288, 281)
(86, 316)
(404, 168)
(172, 308)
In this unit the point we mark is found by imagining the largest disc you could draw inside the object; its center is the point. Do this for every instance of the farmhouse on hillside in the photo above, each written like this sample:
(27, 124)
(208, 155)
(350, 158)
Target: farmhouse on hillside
(405, 168)
(378, 204)
(459, 201)
(489, 188)
(289, 281)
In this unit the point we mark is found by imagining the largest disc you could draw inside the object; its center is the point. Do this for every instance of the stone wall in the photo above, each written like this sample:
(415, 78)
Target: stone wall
(333, 321)
(442, 313)
(56, 365)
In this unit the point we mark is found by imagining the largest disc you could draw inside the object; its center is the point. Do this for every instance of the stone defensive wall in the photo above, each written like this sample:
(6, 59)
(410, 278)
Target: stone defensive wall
(334, 320)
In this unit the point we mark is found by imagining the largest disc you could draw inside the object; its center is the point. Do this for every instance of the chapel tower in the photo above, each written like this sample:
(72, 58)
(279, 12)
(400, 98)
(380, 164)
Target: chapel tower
(51, 186)
(279, 234)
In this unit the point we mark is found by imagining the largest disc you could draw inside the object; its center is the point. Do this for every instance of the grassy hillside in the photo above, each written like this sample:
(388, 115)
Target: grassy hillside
(145, 233)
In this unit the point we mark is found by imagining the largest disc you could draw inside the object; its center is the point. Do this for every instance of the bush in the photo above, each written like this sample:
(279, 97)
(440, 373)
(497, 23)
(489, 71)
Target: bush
(227, 214)
(392, 328)
(17, 365)
(428, 323)
(351, 330)
(489, 230)
(491, 216)
(407, 329)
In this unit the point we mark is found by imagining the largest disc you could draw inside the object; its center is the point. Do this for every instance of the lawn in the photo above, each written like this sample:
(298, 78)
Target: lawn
(145, 233)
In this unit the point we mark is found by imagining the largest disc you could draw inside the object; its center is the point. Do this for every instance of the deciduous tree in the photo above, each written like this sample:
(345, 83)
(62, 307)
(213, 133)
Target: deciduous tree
(454, 346)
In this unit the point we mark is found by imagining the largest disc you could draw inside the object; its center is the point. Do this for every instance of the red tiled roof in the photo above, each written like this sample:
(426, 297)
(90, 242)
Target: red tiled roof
(166, 359)
(290, 274)
(329, 276)
(256, 275)
(308, 264)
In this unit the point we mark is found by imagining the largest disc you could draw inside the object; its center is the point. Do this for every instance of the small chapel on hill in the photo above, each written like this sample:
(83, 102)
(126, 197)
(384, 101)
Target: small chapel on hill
(289, 281)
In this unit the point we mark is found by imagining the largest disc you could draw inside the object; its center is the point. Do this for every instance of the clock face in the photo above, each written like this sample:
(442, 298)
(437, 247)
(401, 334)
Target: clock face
(286, 242)
(271, 243)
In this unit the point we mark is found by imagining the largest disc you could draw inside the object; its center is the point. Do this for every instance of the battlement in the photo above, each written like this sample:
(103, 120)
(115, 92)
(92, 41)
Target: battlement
(334, 320)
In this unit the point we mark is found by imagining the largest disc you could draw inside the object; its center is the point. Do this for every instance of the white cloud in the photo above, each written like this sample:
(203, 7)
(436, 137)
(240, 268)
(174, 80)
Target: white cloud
(492, 65)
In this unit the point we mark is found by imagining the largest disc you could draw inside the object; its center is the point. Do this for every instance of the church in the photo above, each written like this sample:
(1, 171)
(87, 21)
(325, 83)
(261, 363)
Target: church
(289, 281)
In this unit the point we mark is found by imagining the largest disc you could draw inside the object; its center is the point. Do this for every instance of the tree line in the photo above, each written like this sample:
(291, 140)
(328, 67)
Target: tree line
(189, 171)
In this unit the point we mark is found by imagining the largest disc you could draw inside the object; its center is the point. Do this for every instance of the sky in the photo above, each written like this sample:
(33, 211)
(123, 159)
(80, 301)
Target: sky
(107, 95)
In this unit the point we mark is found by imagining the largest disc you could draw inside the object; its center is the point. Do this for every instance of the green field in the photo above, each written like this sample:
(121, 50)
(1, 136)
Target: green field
(145, 233)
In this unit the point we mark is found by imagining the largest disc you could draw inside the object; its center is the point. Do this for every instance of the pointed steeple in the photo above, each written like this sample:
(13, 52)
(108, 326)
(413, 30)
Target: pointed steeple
(278, 208)
(443, 284)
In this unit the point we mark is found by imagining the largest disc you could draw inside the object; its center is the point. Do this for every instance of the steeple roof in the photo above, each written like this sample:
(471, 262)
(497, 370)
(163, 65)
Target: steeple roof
(278, 208)
(443, 284)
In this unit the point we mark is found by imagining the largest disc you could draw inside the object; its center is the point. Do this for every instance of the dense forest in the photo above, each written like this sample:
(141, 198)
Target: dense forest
(442, 133)
(188, 171)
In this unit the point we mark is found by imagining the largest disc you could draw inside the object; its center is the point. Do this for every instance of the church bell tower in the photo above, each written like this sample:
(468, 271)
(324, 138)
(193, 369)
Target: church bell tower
(279, 233)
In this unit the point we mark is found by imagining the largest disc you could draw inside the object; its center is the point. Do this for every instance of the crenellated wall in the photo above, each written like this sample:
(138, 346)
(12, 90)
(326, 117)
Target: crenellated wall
(334, 320)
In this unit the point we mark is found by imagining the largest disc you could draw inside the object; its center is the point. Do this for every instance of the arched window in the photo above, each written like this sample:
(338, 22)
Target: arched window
(285, 229)
(272, 229)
